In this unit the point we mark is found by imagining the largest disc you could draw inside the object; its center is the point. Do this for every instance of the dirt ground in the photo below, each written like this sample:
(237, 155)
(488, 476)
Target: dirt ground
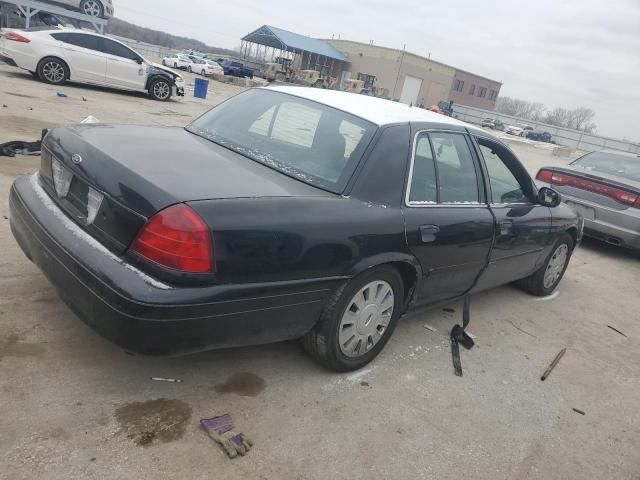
(73, 405)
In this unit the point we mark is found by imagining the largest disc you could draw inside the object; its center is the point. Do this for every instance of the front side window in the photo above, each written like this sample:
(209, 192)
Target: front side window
(306, 140)
(114, 48)
(443, 170)
(505, 187)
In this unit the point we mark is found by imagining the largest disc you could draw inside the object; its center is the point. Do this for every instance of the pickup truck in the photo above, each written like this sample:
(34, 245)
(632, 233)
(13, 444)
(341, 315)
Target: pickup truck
(236, 69)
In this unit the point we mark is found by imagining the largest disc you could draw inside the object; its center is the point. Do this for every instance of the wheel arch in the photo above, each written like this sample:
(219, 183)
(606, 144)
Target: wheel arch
(155, 76)
(573, 231)
(407, 266)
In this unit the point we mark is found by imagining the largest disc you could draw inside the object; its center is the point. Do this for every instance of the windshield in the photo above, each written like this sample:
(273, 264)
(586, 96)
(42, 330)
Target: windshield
(306, 140)
(612, 164)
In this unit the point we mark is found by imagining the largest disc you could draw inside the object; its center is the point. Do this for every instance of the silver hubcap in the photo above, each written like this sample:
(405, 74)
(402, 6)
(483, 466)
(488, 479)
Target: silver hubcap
(161, 90)
(92, 8)
(366, 318)
(556, 265)
(53, 71)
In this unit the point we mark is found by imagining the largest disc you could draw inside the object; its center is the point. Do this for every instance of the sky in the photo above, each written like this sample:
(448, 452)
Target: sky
(564, 53)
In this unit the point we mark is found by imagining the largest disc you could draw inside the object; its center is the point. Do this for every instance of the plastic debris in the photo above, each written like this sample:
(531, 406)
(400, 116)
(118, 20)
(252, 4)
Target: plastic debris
(90, 119)
(460, 337)
(578, 411)
(62, 95)
(220, 429)
(429, 327)
(84, 99)
(4, 105)
(172, 380)
(553, 364)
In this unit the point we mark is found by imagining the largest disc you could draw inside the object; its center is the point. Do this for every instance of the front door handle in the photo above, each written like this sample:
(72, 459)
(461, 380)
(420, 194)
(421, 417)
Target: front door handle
(506, 227)
(428, 233)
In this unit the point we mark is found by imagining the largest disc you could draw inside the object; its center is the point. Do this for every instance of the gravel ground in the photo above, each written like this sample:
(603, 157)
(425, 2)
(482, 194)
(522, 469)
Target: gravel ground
(74, 406)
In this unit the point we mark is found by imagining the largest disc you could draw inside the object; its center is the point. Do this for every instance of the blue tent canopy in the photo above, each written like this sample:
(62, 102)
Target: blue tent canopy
(292, 42)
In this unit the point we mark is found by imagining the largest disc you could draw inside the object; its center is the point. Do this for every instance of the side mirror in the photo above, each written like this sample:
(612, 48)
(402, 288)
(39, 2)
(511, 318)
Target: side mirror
(548, 197)
(139, 60)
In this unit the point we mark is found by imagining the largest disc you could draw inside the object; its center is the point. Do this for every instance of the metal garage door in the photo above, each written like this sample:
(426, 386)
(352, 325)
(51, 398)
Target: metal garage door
(410, 90)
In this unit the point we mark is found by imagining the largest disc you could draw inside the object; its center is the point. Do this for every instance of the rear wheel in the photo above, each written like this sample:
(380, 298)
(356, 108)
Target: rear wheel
(93, 8)
(357, 321)
(160, 89)
(203, 73)
(53, 70)
(189, 68)
(280, 77)
(546, 279)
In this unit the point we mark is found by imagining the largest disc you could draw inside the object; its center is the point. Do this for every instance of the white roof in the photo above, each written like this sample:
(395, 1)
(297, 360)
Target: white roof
(375, 110)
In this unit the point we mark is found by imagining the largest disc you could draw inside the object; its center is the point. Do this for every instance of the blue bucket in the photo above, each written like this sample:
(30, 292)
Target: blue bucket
(200, 88)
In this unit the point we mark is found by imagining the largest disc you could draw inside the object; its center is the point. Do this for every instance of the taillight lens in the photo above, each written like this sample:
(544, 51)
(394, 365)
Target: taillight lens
(544, 176)
(177, 238)
(621, 196)
(16, 37)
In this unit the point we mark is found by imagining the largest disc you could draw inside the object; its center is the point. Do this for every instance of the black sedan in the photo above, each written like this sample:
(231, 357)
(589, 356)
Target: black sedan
(539, 136)
(284, 213)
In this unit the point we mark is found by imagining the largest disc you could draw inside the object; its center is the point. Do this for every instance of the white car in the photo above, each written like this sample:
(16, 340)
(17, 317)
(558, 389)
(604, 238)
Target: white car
(204, 67)
(94, 8)
(59, 55)
(177, 61)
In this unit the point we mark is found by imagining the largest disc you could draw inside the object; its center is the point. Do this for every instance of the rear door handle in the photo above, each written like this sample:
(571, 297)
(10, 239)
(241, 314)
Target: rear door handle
(428, 233)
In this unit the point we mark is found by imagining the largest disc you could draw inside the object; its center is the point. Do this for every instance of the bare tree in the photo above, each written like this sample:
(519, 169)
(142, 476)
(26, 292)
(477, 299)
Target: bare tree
(581, 118)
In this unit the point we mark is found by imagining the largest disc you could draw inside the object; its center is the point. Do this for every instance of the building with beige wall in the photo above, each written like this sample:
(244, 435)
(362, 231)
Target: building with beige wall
(413, 79)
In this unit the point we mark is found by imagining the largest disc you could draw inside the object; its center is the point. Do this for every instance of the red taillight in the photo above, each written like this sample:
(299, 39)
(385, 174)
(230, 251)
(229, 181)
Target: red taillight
(621, 196)
(177, 238)
(16, 37)
(544, 176)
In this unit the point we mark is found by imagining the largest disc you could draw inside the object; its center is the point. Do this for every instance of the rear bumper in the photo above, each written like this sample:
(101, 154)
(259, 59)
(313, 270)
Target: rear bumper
(143, 315)
(617, 227)
(8, 60)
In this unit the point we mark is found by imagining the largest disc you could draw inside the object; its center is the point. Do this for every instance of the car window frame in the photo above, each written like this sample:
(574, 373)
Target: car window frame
(480, 174)
(104, 50)
(529, 190)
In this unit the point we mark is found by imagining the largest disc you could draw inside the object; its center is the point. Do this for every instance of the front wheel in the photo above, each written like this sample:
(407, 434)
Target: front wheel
(203, 73)
(160, 89)
(93, 8)
(357, 321)
(189, 68)
(546, 279)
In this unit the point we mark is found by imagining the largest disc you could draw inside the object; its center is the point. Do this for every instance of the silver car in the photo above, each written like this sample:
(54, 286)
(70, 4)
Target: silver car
(604, 187)
(94, 8)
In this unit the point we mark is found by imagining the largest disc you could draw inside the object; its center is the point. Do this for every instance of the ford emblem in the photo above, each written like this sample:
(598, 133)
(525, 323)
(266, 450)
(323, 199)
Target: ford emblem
(77, 159)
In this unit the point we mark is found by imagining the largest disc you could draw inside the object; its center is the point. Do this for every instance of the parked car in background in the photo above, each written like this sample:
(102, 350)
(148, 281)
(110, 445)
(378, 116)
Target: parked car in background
(93, 8)
(493, 124)
(293, 212)
(539, 136)
(513, 130)
(177, 60)
(212, 68)
(604, 187)
(236, 69)
(60, 55)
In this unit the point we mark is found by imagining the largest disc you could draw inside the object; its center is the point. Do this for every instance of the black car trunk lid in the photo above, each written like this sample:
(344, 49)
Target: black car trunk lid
(140, 170)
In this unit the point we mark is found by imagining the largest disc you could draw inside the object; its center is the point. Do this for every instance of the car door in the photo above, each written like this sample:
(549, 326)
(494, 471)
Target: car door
(449, 226)
(125, 68)
(83, 53)
(522, 227)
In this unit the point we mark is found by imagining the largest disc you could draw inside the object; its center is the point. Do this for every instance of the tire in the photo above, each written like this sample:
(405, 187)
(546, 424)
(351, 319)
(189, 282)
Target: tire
(280, 77)
(93, 8)
(53, 70)
(160, 89)
(343, 353)
(203, 73)
(175, 65)
(189, 68)
(536, 283)
(164, 62)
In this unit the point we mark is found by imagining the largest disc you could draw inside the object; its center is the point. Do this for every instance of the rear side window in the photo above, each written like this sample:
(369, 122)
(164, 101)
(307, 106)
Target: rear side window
(114, 48)
(443, 171)
(90, 42)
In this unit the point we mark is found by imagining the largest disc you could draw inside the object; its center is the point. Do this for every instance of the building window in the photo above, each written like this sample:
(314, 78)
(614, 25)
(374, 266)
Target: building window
(493, 94)
(482, 92)
(458, 85)
(472, 90)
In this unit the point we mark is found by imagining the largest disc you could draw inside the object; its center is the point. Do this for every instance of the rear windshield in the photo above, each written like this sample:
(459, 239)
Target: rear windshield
(604, 162)
(306, 140)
